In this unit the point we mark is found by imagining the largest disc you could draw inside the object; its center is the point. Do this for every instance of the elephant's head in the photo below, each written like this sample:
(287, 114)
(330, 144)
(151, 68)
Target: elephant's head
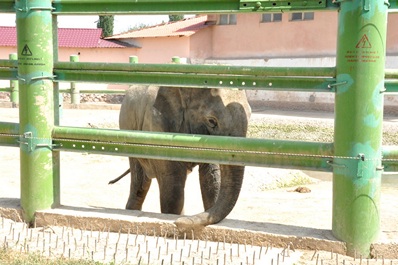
(203, 111)
(210, 112)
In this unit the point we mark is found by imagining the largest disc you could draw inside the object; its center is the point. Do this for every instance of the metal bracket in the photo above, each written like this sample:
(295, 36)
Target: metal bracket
(366, 5)
(49, 146)
(334, 85)
(330, 162)
(28, 140)
(280, 5)
(51, 77)
(28, 9)
(361, 165)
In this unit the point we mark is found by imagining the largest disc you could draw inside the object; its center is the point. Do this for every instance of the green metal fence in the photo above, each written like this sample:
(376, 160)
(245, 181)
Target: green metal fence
(359, 82)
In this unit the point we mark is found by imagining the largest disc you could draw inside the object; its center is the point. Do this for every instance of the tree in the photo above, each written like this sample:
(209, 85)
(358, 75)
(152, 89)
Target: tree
(106, 23)
(175, 17)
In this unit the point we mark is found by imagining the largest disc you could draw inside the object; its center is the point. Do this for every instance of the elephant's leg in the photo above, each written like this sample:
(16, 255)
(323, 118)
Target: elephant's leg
(171, 188)
(209, 177)
(139, 186)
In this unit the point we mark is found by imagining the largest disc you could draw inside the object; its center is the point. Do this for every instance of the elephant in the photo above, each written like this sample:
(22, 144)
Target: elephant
(191, 111)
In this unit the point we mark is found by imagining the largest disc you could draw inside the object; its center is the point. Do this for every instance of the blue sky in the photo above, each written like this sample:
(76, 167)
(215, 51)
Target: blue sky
(122, 23)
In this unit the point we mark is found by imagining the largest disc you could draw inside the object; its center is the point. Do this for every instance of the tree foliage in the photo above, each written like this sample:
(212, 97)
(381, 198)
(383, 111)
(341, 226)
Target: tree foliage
(175, 18)
(106, 23)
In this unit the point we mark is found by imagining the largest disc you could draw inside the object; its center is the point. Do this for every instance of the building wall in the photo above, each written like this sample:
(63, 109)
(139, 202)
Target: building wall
(392, 34)
(108, 55)
(250, 38)
(200, 45)
(162, 49)
(289, 44)
(5, 52)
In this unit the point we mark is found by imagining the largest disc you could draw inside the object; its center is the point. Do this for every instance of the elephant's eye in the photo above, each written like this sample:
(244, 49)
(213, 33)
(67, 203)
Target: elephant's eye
(212, 122)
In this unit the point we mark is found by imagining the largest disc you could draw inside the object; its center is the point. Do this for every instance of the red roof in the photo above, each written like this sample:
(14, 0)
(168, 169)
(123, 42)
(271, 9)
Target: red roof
(186, 27)
(67, 38)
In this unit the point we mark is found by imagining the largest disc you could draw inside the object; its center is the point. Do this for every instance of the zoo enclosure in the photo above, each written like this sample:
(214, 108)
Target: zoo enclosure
(359, 80)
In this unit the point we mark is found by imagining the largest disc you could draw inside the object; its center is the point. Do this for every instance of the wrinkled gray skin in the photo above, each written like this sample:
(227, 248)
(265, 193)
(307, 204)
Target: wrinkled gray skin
(192, 111)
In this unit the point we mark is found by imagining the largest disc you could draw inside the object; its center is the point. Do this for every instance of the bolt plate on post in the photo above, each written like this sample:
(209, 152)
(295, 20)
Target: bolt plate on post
(279, 5)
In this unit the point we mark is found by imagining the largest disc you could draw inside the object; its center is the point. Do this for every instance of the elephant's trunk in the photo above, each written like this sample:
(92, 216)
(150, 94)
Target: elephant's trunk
(231, 183)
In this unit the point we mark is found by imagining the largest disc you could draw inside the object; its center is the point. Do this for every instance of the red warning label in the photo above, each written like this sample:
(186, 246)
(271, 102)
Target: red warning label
(363, 43)
(363, 52)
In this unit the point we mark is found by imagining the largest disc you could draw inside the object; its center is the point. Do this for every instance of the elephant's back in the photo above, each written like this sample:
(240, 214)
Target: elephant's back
(136, 107)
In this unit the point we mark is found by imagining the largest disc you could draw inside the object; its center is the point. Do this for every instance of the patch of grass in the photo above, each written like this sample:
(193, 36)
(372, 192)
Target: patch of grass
(12, 257)
(307, 132)
(390, 138)
(283, 131)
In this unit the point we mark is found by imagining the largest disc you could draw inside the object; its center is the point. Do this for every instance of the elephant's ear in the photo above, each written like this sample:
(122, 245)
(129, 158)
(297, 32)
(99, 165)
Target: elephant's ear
(170, 105)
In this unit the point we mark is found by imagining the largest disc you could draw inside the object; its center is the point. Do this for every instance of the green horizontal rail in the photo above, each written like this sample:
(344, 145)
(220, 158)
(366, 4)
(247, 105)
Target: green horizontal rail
(7, 6)
(391, 80)
(184, 7)
(391, 73)
(9, 134)
(8, 63)
(198, 75)
(208, 149)
(6, 89)
(197, 80)
(266, 78)
(390, 158)
(214, 76)
(198, 148)
(199, 69)
(393, 6)
(8, 73)
(270, 78)
(95, 91)
(391, 86)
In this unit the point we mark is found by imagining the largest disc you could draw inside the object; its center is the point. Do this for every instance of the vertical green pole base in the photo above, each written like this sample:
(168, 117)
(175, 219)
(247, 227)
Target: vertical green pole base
(358, 123)
(75, 93)
(14, 95)
(36, 110)
(356, 212)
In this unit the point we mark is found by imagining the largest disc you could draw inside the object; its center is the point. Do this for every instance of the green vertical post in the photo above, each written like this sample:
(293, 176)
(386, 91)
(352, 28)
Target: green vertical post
(133, 59)
(74, 90)
(14, 95)
(36, 110)
(175, 59)
(358, 123)
(58, 102)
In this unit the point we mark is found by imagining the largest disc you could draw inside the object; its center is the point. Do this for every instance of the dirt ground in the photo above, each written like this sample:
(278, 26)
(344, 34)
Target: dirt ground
(84, 184)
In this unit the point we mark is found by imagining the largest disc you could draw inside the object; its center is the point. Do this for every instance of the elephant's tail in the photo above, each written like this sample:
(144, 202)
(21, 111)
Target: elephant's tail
(119, 178)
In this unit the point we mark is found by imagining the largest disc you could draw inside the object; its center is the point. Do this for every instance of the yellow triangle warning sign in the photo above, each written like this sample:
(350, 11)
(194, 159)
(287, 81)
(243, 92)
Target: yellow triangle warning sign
(26, 51)
(363, 42)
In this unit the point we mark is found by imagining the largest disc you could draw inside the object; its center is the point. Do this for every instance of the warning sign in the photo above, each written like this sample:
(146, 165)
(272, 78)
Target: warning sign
(26, 51)
(363, 43)
(363, 52)
(28, 59)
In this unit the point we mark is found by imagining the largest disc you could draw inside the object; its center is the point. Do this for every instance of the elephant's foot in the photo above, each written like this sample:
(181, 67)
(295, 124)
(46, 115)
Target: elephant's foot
(133, 205)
